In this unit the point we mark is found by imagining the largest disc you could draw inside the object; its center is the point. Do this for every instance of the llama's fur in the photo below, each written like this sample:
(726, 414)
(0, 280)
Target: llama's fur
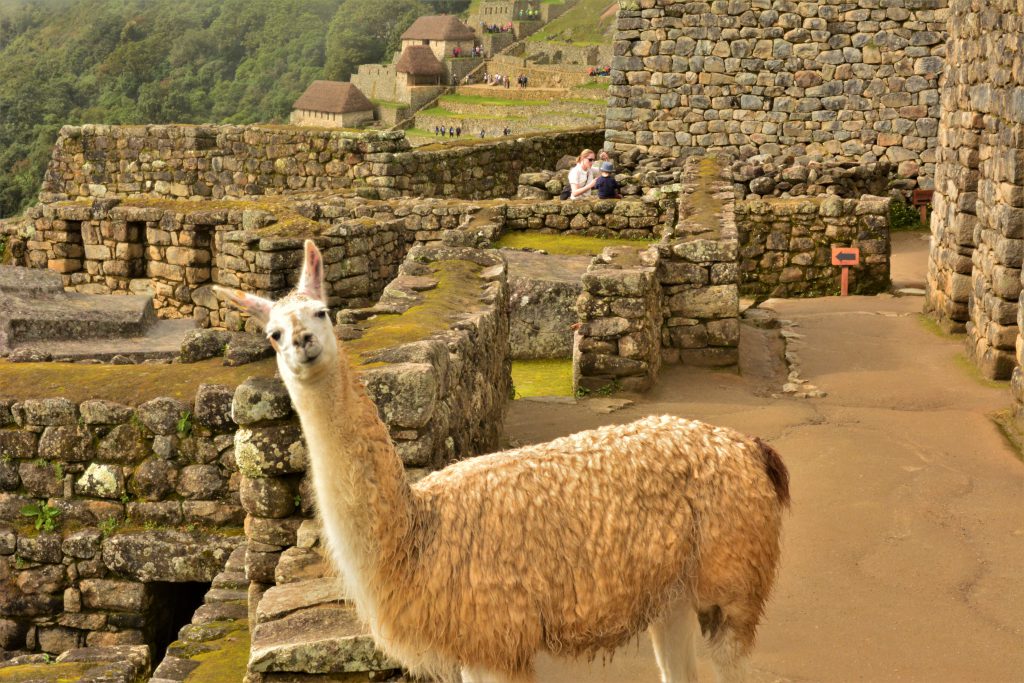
(572, 546)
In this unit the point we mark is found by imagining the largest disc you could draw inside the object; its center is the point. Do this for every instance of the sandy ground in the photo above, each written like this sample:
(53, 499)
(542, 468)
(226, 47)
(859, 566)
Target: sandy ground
(904, 551)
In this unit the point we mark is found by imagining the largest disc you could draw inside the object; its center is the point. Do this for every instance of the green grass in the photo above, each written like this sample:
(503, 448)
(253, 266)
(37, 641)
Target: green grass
(390, 105)
(490, 101)
(441, 111)
(968, 366)
(542, 378)
(564, 245)
(581, 25)
(594, 85)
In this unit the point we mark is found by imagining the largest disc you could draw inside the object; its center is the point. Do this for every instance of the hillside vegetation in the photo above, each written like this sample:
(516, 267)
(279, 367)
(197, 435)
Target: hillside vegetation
(164, 61)
(589, 22)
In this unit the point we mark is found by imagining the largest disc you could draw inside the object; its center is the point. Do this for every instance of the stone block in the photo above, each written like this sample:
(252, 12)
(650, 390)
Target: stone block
(269, 451)
(161, 415)
(273, 497)
(101, 481)
(168, 555)
(66, 444)
(259, 399)
(17, 444)
(99, 412)
(406, 394)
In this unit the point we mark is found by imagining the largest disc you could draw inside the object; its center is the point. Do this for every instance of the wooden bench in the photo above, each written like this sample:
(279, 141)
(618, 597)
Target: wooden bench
(922, 199)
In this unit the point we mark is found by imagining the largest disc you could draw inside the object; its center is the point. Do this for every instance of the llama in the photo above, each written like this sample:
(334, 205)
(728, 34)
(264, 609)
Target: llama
(571, 547)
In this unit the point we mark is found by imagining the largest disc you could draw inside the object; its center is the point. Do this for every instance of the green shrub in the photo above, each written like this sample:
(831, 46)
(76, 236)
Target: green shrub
(903, 216)
(44, 516)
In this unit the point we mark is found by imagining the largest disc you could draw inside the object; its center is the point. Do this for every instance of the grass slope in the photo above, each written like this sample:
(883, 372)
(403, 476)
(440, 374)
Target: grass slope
(590, 22)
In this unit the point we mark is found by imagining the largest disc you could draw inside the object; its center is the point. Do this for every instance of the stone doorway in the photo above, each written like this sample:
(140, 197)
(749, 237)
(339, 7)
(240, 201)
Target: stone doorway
(172, 607)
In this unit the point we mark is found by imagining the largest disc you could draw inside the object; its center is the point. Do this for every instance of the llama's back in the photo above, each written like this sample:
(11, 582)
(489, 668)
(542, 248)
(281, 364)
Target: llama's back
(577, 544)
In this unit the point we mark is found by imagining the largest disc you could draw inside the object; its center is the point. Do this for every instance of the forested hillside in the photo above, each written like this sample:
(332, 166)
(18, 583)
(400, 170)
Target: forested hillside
(166, 61)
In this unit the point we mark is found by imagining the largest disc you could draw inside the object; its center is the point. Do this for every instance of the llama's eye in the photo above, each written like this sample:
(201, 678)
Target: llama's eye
(276, 335)
(321, 314)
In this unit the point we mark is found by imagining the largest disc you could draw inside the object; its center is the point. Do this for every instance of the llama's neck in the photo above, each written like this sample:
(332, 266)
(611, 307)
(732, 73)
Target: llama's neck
(364, 500)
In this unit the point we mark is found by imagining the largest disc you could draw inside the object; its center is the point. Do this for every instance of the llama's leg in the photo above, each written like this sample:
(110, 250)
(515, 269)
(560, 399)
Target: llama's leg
(730, 649)
(674, 639)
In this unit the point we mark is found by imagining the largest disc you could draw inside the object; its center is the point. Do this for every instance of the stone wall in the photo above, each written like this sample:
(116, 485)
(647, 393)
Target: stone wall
(544, 52)
(377, 82)
(698, 269)
(238, 161)
(617, 344)
(176, 250)
(541, 74)
(974, 270)
(140, 495)
(762, 177)
(785, 245)
(832, 79)
(622, 218)
(319, 119)
(209, 161)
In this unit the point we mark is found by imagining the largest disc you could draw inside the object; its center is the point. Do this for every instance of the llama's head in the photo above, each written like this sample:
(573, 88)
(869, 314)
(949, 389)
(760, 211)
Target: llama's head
(297, 326)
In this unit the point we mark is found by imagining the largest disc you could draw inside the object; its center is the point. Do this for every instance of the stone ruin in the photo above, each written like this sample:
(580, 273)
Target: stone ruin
(752, 135)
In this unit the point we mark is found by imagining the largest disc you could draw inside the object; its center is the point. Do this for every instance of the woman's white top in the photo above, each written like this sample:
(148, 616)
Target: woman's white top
(578, 177)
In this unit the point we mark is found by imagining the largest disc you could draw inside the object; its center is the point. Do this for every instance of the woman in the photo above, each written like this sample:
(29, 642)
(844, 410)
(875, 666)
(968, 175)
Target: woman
(582, 176)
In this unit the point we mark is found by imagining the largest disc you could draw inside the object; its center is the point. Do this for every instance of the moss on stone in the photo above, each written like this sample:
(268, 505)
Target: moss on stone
(225, 661)
(565, 245)
(542, 378)
(457, 294)
(129, 384)
(701, 206)
(65, 672)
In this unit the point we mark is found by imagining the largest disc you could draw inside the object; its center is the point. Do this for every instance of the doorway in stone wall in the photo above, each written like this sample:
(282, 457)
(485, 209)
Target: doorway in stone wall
(171, 607)
(69, 253)
(135, 249)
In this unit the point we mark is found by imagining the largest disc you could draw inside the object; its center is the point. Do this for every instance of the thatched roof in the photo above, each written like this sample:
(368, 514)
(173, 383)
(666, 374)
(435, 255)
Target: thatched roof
(419, 60)
(438, 27)
(333, 97)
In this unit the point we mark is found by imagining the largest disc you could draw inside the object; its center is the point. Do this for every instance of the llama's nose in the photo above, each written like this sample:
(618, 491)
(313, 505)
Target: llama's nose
(303, 340)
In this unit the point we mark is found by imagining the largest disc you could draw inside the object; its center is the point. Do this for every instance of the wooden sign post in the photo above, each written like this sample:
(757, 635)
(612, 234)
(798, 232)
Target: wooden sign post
(845, 257)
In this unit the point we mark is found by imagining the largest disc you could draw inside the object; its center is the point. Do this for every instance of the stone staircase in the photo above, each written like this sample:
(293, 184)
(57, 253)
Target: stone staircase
(39, 319)
(303, 628)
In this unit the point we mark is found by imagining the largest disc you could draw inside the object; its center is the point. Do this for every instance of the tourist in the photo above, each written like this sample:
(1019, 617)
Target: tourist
(451, 131)
(582, 176)
(481, 133)
(458, 131)
(607, 187)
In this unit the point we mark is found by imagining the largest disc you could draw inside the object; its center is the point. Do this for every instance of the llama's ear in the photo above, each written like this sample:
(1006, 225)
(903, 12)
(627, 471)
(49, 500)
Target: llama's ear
(256, 306)
(312, 281)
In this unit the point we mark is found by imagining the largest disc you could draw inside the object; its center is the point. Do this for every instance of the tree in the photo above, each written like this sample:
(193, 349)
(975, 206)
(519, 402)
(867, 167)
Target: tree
(367, 32)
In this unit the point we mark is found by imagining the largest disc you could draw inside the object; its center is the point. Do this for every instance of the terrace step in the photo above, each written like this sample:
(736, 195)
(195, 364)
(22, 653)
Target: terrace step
(516, 93)
(308, 631)
(37, 314)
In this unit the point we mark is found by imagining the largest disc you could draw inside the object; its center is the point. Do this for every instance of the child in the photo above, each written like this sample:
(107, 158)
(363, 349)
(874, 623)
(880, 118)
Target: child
(607, 187)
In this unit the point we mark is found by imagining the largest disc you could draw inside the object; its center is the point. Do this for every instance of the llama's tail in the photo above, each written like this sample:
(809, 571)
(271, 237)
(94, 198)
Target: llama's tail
(776, 470)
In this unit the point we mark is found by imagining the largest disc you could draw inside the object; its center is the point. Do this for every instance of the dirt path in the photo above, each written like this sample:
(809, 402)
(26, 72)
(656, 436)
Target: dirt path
(904, 552)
